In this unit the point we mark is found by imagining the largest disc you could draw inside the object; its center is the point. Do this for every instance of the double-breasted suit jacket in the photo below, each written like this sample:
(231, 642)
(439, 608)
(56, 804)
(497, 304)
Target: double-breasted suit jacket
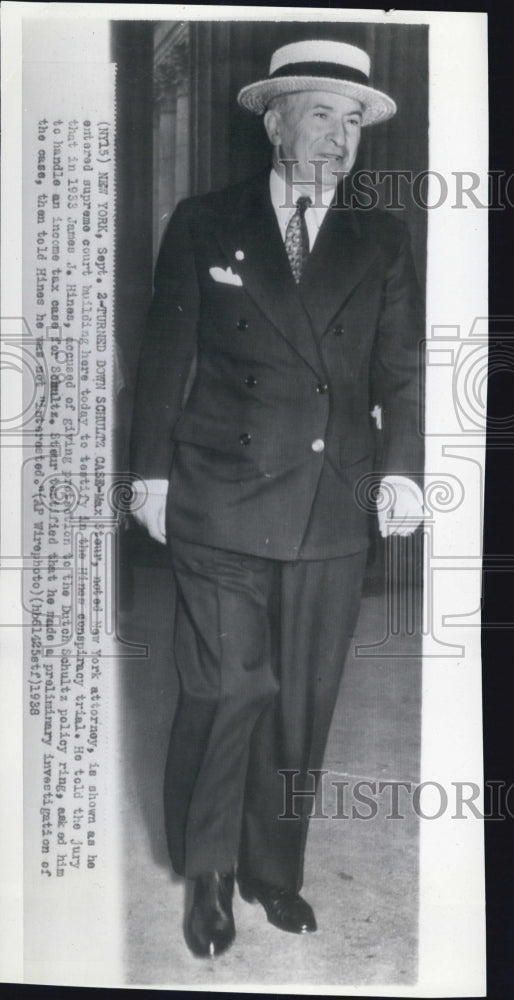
(254, 393)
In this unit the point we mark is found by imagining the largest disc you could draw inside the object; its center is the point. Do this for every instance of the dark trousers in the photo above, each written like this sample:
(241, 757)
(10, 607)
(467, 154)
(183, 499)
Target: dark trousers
(260, 647)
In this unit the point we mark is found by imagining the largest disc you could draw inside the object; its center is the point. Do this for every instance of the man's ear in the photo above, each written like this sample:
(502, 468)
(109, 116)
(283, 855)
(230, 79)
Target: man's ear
(272, 126)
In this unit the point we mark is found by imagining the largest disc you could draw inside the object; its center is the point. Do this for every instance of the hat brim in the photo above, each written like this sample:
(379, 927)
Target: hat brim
(377, 107)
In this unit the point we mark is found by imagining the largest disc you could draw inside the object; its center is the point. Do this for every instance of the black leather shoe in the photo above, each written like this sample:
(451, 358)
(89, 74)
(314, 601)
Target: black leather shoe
(210, 928)
(284, 909)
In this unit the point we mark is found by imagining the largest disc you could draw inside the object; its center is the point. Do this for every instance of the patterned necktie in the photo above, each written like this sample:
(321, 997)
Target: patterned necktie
(297, 238)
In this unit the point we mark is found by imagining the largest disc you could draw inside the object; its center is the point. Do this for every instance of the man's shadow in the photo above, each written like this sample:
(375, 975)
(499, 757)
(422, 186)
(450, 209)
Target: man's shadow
(148, 687)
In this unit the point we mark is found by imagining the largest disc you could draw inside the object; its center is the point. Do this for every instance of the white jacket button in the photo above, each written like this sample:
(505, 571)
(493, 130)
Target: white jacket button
(318, 445)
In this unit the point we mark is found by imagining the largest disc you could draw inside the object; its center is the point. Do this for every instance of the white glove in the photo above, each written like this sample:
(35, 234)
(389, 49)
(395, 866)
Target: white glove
(149, 507)
(400, 506)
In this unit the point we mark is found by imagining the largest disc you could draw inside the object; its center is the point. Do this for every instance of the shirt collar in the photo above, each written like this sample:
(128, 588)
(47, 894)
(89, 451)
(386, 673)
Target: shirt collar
(276, 185)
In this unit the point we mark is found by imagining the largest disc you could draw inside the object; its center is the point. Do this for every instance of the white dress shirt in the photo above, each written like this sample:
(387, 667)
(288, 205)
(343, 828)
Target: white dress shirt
(284, 211)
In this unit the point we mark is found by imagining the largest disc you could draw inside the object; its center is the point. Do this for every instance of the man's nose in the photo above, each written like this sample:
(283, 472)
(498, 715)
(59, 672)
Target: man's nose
(337, 134)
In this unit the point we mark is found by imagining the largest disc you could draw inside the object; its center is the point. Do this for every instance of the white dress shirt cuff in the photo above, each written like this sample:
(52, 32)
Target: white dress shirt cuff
(409, 483)
(153, 487)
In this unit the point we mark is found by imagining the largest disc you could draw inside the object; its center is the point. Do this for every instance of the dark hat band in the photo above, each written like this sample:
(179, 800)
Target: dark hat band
(322, 69)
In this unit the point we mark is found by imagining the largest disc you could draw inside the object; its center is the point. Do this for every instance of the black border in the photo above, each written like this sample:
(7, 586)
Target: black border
(498, 587)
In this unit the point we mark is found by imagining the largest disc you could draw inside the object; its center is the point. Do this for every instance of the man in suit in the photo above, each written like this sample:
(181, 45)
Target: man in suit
(280, 318)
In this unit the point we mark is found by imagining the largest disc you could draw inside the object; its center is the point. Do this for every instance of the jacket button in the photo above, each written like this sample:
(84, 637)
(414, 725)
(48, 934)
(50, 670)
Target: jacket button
(242, 324)
(250, 381)
(338, 330)
(245, 438)
(322, 388)
(318, 445)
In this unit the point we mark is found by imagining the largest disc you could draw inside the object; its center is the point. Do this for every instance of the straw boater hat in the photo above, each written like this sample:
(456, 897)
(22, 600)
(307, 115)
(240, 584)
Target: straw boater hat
(320, 65)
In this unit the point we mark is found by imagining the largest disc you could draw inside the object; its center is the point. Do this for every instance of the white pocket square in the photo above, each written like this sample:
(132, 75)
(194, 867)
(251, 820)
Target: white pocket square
(228, 276)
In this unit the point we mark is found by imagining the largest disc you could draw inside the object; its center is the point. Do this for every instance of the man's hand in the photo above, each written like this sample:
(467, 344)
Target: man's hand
(400, 506)
(149, 508)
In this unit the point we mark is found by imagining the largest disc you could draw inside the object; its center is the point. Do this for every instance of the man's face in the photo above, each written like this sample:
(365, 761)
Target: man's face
(315, 125)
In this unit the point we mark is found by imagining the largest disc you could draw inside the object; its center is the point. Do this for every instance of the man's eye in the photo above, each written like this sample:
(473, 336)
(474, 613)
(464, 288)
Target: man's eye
(353, 121)
(321, 114)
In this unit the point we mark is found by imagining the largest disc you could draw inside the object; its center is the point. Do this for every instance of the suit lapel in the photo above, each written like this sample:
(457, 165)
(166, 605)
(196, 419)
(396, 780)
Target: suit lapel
(265, 271)
(340, 257)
